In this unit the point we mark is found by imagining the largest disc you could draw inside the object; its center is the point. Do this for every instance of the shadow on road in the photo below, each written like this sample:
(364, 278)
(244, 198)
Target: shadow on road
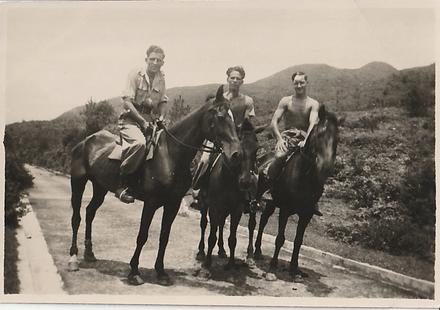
(312, 282)
(227, 282)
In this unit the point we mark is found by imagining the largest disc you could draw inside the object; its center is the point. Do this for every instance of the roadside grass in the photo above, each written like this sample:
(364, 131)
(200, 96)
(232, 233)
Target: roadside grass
(11, 281)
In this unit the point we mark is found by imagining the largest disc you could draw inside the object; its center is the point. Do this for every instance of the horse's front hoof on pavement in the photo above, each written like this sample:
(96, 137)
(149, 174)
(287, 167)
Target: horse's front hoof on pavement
(135, 279)
(164, 279)
(270, 276)
(73, 266)
(73, 263)
(204, 274)
(89, 257)
(200, 256)
(222, 254)
(250, 262)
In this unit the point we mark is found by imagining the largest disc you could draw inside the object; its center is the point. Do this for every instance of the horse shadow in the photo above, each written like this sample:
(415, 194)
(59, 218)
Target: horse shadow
(230, 282)
(312, 282)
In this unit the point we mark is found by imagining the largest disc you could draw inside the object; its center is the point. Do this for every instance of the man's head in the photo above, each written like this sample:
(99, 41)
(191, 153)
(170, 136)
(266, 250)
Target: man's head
(235, 77)
(154, 58)
(299, 81)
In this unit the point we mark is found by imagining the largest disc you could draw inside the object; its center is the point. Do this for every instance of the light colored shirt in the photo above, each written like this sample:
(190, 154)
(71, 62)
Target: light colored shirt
(139, 89)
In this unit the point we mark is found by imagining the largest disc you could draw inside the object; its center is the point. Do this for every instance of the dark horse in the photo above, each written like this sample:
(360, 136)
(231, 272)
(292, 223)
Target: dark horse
(226, 195)
(300, 186)
(164, 179)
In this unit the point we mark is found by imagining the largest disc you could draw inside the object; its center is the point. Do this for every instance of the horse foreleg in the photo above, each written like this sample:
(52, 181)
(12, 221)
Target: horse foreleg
(300, 229)
(211, 241)
(279, 241)
(269, 209)
(251, 227)
(169, 214)
(203, 224)
(147, 216)
(220, 243)
(232, 240)
(97, 200)
(77, 187)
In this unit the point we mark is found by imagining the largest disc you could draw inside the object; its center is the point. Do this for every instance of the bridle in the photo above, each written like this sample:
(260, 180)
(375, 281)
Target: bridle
(205, 148)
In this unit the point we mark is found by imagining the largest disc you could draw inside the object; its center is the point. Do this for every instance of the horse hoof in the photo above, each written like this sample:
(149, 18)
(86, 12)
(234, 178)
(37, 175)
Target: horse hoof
(164, 279)
(135, 280)
(298, 278)
(73, 266)
(270, 276)
(200, 256)
(90, 257)
(222, 255)
(204, 274)
(250, 262)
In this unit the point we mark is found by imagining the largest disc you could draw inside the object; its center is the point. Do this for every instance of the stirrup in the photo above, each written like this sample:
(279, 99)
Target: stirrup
(124, 196)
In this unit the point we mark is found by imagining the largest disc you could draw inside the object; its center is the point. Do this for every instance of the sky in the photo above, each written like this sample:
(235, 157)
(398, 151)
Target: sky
(58, 55)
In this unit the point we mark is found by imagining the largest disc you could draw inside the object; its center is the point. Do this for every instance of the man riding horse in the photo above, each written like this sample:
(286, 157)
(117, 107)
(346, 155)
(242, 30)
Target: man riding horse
(242, 107)
(300, 114)
(144, 103)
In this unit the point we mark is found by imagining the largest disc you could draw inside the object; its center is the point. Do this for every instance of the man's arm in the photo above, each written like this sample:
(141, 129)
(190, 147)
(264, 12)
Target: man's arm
(278, 114)
(133, 112)
(313, 120)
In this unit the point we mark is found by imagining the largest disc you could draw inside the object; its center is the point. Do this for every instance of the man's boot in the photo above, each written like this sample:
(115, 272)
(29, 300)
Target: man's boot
(122, 191)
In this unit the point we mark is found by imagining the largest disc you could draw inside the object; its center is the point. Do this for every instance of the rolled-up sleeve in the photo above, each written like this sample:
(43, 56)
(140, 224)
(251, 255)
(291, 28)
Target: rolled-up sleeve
(131, 85)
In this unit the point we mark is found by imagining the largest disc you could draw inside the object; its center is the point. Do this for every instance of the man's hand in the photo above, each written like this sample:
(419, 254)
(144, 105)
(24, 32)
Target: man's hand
(281, 146)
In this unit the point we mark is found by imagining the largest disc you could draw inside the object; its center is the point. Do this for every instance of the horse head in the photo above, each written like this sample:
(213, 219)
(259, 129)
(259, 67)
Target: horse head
(219, 127)
(248, 172)
(322, 143)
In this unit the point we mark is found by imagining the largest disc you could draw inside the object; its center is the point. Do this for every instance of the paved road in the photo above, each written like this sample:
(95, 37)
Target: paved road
(114, 235)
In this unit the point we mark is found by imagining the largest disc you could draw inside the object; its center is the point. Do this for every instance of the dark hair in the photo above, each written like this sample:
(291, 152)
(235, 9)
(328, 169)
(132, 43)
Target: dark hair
(239, 69)
(155, 49)
(299, 73)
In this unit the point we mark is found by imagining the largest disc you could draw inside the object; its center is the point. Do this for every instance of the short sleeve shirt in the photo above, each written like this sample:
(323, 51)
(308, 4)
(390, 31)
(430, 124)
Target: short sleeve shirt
(139, 89)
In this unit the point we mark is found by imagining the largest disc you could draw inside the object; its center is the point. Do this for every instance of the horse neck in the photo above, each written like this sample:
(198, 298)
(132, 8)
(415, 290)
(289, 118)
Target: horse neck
(189, 132)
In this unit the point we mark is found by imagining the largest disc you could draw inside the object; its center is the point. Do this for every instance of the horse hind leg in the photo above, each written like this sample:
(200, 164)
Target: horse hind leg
(77, 185)
(265, 215)
(98, 198)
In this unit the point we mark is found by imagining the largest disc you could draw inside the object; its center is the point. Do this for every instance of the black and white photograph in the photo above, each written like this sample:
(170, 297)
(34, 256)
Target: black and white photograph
(228, 153)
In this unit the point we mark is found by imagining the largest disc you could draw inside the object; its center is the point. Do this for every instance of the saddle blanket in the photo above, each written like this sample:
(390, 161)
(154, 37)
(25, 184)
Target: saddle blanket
(116, 154)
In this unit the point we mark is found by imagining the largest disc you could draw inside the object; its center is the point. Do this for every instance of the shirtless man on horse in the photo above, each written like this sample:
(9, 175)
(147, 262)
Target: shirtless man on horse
(144, 103)
(300, 114)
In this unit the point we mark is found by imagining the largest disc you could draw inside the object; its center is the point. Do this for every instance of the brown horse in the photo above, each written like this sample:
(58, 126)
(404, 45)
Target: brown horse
(300, 186)
(164, 179)
(237, 183)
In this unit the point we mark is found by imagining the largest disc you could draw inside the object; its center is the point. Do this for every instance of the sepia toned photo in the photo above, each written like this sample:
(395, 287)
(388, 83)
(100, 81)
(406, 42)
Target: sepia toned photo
(242, 153)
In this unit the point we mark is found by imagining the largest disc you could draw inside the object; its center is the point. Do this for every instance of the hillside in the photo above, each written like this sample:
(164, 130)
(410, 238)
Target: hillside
(382, 195)
(341, 89)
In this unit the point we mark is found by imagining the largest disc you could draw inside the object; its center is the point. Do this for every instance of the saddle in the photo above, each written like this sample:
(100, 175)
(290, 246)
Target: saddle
(116, 153)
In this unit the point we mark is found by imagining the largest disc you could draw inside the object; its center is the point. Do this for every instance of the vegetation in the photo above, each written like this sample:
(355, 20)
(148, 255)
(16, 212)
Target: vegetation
(385, 163)
(17, 179)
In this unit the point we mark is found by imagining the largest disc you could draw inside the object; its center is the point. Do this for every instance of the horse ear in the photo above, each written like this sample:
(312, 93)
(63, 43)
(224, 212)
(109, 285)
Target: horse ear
(341, 120)
(219, 96)
(321, 112)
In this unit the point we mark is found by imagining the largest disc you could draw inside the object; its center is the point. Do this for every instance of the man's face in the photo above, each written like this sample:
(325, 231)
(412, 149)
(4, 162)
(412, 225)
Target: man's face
(154, 62)
(235, 80)
(299, 84)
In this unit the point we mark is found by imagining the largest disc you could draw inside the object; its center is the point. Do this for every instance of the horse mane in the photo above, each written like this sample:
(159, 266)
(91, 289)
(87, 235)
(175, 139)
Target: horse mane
(247, 125)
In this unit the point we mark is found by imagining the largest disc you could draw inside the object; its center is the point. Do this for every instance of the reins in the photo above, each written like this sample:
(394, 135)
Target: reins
(205, 148)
